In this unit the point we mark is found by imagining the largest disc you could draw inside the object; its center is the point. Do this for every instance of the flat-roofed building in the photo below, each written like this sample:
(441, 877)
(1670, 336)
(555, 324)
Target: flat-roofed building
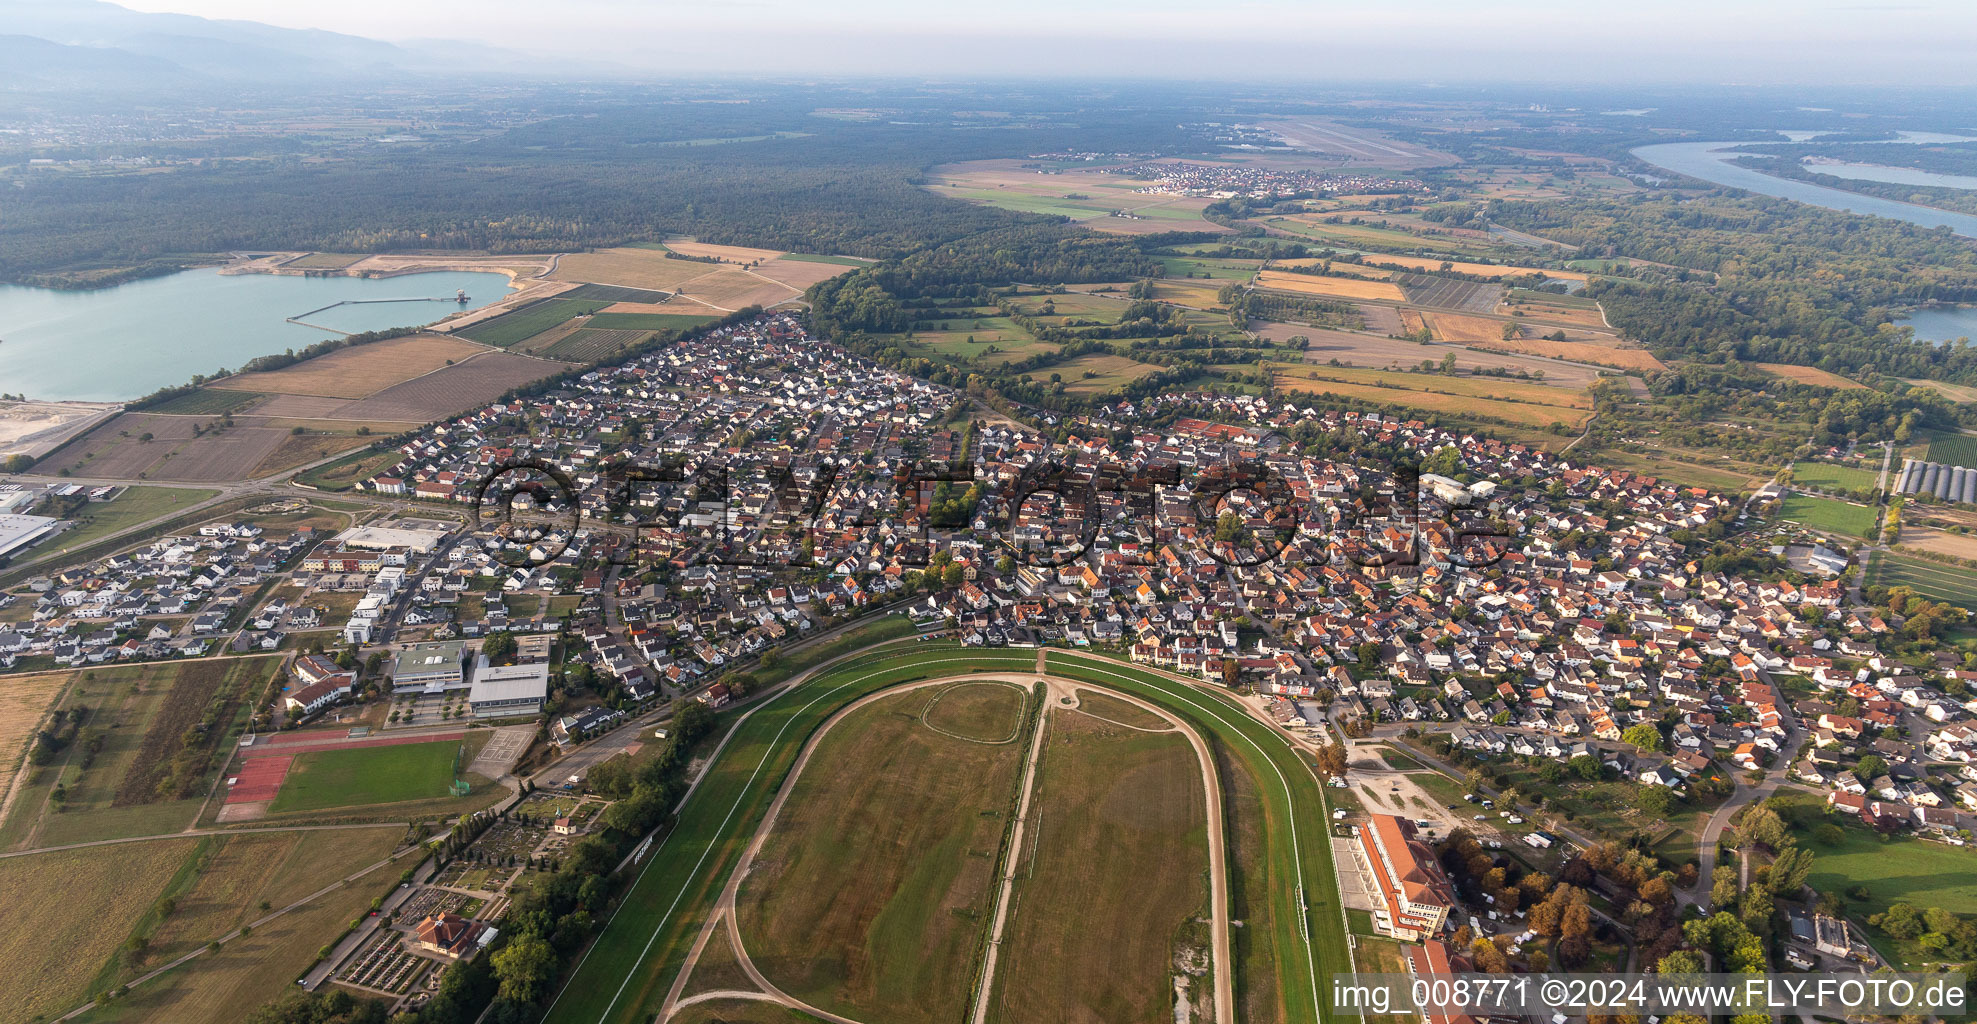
(430, 667)
(1415, 898)
(503, 691)
(17, 531)
(397, 540)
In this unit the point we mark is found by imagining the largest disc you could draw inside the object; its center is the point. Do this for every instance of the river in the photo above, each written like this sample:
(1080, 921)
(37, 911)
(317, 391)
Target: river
(115, 344)
(1709, 162)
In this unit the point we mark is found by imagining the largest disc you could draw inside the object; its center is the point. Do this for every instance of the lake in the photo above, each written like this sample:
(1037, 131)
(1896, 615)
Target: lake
(1706, 160)
(115, 344)
(1942, 323)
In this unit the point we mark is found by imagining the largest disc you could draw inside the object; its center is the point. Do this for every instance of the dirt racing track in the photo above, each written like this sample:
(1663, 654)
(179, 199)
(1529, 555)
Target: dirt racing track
(704, 926)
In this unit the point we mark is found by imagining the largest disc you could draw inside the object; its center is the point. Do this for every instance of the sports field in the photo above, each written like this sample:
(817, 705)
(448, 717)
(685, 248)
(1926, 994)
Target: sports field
(869, 897)
(361, 776)
(1830, 515)
(1831, 477)
(1934, 580)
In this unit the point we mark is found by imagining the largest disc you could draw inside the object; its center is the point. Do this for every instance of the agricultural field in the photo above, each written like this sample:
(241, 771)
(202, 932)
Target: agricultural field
(1489, 270)
(871, 893)
(590, 345)
(836, 261)
(128, 771)
(210, 401)
(1954, 450)
(1331, 287)
(633, 267)
(1934, 580)
(135, 505)
(1810, 375)
(1198, 294)
(1214, 269)
(614, 294)
(56, 947)
(1088, 196)
(180, 448)
(1940, 542)
(608, 321)
(363, 776)
(342, 474)
(1098, 373)
(1368, 234)
(1830, 477)
(1449, 293)
(1830, 515)
(1133, 802)
(24, 702)
(442, 393)
(1527, 404)
(1353, 348)
(1576, 351)
(324, 261)
(223, 987)
(302, 449)
(526, 322)
(359, 370)
(1953, 392)
(725, 253)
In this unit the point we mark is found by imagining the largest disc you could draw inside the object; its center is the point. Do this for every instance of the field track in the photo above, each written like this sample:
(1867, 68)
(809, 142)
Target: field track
(627, 973)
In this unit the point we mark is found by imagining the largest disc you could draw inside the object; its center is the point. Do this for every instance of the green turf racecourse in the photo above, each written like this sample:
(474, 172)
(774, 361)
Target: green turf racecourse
(625, 974)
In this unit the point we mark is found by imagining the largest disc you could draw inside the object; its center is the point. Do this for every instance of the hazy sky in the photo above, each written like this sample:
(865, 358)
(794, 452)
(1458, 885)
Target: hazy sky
(1920, 42)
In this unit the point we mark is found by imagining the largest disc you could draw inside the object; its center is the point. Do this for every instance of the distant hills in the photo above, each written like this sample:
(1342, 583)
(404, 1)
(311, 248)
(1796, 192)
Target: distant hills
(91, 45)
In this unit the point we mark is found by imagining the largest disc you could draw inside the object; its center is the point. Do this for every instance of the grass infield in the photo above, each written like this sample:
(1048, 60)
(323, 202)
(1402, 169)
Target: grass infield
(368, 775)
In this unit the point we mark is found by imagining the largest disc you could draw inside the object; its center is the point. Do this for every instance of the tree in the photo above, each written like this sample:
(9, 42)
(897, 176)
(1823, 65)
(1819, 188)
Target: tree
(1587, 767)
(499, 647)
(1789, 871)
(1870, 767)
(1723, 891)
(524, 968)
(1643, 735)
(1762, 825)
(1656, 801)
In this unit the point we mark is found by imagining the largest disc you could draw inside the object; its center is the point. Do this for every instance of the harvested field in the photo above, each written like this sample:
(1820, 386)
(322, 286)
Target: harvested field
(730, 253)
(1448, 293)
(1198, 294)
(537, 343)
(1533, 405)
(300, 407)
(54, 947)
(299, 450)
(1811, 375)
(1133, 802)
(1335, 287)
(613, 293)
(324, 261)
(1412, 321)
(1581, 313)
(207, 402)
(871, 892)
(181, 449)
(1386, 319)
(1940, 542)
(591, 345)
(1098, 373)
(730, 288)
(1577, 351)
(1353, 349)
(1953, 392)
(24, 702)
(1934, 580)
(228, 986)
(455, 389)
(359, 370)
(800, 274)
(1489, 270)
(631, 267)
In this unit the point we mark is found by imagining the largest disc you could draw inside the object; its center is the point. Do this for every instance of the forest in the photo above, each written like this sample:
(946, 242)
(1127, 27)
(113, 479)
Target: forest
(571, 181)
(1770, 280)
